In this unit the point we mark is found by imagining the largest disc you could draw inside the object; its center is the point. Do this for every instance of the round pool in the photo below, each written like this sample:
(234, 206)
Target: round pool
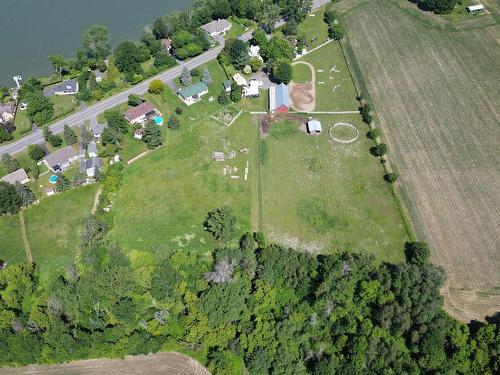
(159, 120)
(53, 179)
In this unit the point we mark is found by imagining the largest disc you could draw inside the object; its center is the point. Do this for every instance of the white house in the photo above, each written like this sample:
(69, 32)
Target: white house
(252, 89)
(19, 176)
(314, 126)
(217, 27)
(92, 150)
(254, 51)
(90, 166)
(193, 93)
(475, 8)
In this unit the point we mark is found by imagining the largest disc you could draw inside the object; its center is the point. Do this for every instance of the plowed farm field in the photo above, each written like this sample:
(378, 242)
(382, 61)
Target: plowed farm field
(436, 90)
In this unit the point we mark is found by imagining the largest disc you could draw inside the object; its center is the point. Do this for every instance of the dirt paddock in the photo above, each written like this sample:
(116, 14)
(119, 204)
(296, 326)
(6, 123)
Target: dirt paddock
(160, 363)
(303, 95)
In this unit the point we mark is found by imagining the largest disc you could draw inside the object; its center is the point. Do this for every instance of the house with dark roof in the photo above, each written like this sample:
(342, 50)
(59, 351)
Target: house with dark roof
(60, 160)
(7, 112)
(193, 93)
(217, 27)
(141, 113)
(278, 99)
(20, 176)
(68, 87)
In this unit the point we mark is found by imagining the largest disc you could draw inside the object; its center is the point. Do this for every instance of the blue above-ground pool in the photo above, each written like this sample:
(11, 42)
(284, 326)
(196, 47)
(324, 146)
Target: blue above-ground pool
(159, 120)
(53, 179)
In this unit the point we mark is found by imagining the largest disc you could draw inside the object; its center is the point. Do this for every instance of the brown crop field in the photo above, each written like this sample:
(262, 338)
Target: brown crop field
(153, 364)
(436, 90)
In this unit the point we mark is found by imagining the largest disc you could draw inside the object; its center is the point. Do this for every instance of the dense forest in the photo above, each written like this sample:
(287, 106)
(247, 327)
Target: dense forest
(261, 306)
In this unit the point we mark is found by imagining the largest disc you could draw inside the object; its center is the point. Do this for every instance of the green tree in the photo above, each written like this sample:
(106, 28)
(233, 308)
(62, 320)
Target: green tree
(223, 98)
(336, 32)
(255, 64)
(282, 72)
(134, 100)
(277, 48)
(128, 58)
(152, 135)
(69, 135)
(236, 92)
(156, 86)
(259, 38)
(10, 201)
(417, 252)
(54, 140)
(173, 123)
(40, 109)
(59, 63)
(206, 77)
(186, 78)
(36, 152)
(164, 60)
(25, 193)
(116, 121)
(63, 183)
(96, 42)
(110, 136)
(374, 134)
(238, 53)
(379, 150)
(160, 28)
(10, 164)
(221, 222)
(391, 177)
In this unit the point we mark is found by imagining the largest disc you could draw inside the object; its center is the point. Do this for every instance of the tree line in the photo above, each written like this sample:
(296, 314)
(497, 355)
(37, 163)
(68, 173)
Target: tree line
(258, 306)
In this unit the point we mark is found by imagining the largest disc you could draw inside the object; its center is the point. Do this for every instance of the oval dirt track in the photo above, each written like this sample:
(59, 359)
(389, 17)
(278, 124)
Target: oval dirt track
(161, 363)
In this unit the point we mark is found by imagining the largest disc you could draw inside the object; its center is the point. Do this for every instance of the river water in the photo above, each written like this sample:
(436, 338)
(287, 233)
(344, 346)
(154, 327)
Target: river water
(30, 30)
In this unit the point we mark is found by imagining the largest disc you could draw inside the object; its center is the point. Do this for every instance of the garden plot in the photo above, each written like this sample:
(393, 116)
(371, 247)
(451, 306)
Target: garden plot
(226, 115)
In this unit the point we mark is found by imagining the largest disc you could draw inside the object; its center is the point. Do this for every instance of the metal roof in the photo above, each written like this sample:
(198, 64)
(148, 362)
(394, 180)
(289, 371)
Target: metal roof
(193, 90)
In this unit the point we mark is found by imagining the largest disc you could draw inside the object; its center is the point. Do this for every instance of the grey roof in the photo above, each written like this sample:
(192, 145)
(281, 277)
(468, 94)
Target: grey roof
(281, 95)
(97, 129)
(9, 108)
(227, 83)
(69, 85)
(216, 26)
(92, 148)
(97, 73)
(314, 126)
(90, 163)
(16, 176)
(60, 157)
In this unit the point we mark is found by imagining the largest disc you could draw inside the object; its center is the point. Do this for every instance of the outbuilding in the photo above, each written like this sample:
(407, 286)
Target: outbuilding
(278, 99)
(314, 126)
(138, 133)
(475, 8)
(227, 85)
(92, 150)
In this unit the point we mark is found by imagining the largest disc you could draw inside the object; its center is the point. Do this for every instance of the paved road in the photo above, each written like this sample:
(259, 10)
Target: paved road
(92, 111)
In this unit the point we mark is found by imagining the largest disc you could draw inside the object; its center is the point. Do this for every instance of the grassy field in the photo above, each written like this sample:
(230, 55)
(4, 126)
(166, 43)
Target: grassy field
(301, 73)
(314, 29)
(436, 92)
(11, 241)
(337, 92)
(53, 229)
(167, 194)
(63, 105)
(318, 194)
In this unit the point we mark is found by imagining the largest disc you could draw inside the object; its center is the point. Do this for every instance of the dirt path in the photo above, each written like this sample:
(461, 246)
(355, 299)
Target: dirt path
(161, 363)
(303, 95)
(27, 248)
(96, 201)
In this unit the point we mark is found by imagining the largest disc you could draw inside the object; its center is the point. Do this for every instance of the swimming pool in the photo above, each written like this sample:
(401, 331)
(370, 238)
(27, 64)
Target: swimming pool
(53, 179)
(159, 120)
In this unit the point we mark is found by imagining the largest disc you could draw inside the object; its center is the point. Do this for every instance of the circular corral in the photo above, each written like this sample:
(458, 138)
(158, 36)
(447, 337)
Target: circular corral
(337, 125)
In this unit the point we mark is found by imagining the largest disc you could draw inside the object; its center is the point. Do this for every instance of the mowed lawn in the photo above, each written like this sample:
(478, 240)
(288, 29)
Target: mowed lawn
(318, 194)
(334, 88)
(314, 29)
(166, 195)
(301, 73)
(53, 227)
(11, 241)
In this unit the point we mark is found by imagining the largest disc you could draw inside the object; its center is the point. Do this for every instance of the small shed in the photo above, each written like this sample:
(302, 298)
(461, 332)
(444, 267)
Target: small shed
(92, 150)
(475, 8)
(138, 133)
(314, 127)
(227, 85)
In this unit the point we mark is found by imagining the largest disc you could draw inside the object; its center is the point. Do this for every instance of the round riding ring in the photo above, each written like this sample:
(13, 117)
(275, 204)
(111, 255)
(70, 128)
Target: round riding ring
(346, 125)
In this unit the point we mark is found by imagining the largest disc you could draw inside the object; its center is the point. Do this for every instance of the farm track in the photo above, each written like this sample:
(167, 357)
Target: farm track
(438, 99)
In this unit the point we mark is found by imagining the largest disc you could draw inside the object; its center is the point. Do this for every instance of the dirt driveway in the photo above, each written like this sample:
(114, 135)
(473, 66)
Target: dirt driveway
(153, 364)
(303, 95)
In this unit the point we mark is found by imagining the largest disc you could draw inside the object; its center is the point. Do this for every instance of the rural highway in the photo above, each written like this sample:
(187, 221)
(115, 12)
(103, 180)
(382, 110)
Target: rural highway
(92, 111)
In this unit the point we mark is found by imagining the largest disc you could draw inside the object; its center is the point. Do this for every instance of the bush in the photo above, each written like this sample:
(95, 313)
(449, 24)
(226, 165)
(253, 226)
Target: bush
(417, 252)
(336, 32)
(156, 86)
(134, 100)
(36, 152)
(223, 98)
(173, 123)
(236, 92)
(374, 134)
(391, 177)
(379, 150)
(164, 60)
(178, 110)
(221, 222)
